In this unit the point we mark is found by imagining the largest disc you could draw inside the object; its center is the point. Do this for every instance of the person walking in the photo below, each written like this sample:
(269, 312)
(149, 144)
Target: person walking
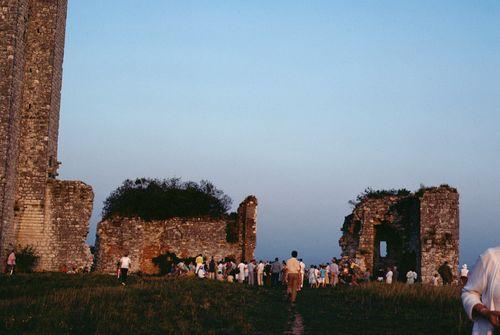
(260, 273)
(292, 276)
(302, 273)
(251, 273)
(334, 273)
(276, 269)
(11, 262)
(312, 276)
(388, 276)
(124, 267)
(241, 272)
(481, 295)
(445, 273)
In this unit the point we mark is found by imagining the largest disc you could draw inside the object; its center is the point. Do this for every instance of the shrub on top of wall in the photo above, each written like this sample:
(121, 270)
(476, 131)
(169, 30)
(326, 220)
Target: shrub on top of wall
(155, 199)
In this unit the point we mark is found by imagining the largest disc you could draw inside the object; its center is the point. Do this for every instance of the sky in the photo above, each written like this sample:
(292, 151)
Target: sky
(303, 104)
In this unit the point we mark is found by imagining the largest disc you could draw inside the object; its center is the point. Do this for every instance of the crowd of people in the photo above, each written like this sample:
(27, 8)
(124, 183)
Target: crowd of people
(272, 273)
(480, 295)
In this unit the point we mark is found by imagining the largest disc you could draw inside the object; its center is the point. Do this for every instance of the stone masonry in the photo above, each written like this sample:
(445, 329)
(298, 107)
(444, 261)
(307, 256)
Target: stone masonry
(186, 238)
(421, 231)
(35, 208)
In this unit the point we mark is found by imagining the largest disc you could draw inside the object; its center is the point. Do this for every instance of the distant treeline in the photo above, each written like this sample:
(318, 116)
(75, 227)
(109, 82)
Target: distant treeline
(161, 199)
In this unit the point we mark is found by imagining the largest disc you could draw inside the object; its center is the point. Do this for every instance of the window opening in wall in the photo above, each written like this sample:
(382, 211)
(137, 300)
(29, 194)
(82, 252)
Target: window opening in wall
(29, 106)
(383, 248)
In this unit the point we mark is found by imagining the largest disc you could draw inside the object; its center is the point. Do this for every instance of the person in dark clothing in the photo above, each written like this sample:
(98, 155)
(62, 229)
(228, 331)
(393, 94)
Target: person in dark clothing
(395, 274)
(380, 275)
(445, 273)
(211, 269)
(276, 269)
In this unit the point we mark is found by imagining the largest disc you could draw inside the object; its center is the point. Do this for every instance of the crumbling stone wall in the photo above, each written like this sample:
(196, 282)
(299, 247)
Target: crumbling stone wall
(32, 207)
(421, 230)
(247, 226)
(186, 238)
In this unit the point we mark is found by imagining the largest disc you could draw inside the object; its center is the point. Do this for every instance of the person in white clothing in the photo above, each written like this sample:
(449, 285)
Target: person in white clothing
(124, 266)
(463, 274)
(334, 272)
(312, 276)
(241, 272)
(246, 272)
(201, 271)
(302, 273)
(388, 276)
(411, 277)
(481, 295)
(435, 280)
(220, 271)
(260, 273)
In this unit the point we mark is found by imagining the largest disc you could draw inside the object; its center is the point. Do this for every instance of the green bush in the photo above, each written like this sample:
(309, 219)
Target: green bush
(26, 259)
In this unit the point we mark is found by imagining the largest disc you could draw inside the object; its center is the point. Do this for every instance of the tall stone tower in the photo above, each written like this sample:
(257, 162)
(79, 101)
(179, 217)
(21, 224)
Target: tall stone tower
(247, 223)
(35, 208)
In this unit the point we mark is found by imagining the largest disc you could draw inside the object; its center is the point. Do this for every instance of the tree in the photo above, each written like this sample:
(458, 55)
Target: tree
(155, 199)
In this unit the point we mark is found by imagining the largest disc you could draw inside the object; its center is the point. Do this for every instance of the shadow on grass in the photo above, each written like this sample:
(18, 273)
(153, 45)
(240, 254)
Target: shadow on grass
(96, 304)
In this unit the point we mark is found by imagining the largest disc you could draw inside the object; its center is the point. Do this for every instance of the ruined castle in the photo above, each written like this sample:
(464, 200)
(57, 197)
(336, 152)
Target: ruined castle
(419, 231)
(184, 237)
(35, 208)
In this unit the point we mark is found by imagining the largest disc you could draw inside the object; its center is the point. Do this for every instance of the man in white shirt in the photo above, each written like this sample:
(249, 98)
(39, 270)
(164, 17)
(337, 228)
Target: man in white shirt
(411, 276)
(124, 266)
(388, 276)
(481, 295)
(260, 273)
(241, 272)
(292, 276)
(302, 273)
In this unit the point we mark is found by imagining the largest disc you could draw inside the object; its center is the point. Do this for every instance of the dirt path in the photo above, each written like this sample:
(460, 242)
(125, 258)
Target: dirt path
(297, 326)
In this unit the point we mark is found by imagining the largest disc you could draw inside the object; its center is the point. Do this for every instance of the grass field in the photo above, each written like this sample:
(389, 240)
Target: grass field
(87, 304)
(384, 309)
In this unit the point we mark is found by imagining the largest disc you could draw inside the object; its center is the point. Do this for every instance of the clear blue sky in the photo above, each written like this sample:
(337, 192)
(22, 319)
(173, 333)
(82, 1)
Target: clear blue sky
(303, 104)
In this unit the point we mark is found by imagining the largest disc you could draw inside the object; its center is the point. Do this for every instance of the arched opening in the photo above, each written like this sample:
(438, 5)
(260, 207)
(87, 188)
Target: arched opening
(165, 262)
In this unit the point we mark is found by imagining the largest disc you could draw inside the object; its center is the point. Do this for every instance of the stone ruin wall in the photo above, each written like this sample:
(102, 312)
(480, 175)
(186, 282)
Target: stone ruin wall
(439, 231)
(37, 209)
(144, 241)
(13, 23)
(424, 228)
